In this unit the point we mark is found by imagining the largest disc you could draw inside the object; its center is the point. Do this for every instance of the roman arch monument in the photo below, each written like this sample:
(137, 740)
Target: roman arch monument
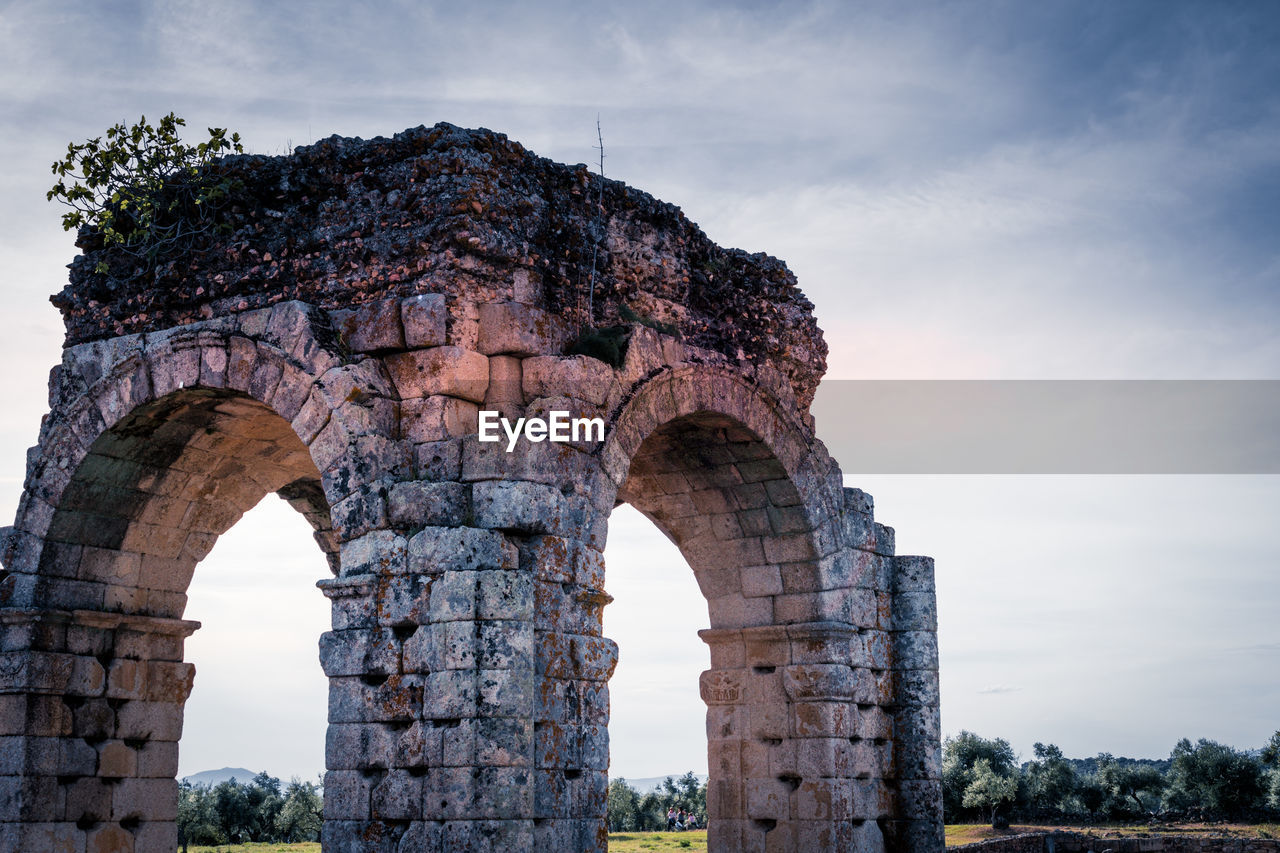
(353, 337)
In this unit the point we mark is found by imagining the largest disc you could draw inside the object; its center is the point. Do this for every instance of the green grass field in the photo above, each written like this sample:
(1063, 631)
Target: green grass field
(694, 841)
(968, 833)
(642, 842)
(262, 847)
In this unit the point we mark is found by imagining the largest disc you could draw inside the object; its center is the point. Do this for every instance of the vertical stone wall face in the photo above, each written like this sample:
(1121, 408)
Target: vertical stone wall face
(468, 673)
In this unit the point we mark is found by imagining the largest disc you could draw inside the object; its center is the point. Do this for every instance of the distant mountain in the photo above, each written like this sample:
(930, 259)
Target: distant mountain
(652, 783)
(209, 778)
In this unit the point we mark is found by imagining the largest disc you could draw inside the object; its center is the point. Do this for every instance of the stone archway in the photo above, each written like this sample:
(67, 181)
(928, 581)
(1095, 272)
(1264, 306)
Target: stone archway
(803, 589)
(468, 673)
(155, 448)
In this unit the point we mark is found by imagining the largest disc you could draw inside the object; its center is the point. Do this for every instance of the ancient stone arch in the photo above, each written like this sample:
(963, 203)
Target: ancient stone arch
(372, 299)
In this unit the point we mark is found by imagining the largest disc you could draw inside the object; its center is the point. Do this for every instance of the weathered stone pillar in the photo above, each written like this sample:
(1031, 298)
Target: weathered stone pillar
(917, 725)
(800, 719)
(90, 717)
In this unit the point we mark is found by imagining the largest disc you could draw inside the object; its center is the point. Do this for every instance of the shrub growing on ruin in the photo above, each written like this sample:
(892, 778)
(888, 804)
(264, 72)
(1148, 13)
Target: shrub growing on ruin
(142, 189)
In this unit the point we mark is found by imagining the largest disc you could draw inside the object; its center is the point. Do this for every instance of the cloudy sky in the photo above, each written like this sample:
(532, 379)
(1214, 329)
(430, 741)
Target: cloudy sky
(965, 190)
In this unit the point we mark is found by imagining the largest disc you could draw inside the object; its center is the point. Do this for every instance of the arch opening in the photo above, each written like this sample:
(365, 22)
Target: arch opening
(145, 505)
(259, 703)
(718, 491)
(656, 725)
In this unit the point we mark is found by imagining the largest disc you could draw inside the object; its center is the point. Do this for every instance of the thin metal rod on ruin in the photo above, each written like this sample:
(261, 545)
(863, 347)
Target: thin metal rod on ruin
(595, 242)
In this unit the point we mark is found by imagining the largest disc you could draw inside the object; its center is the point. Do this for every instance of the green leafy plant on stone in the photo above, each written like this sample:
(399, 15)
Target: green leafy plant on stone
(142, 189)
(608, 344)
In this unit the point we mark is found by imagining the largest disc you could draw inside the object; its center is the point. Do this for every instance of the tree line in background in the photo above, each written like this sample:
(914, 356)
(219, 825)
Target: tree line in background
(982, 780)
(234, 812)
(631, 811)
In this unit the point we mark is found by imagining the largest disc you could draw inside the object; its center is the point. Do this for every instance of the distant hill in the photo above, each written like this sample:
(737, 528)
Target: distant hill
(209, 778)
(652, 783)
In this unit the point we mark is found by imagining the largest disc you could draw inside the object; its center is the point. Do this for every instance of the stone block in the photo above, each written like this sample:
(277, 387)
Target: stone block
(379, 552)
(579, 376)
(504, 645)
(738, 611)
(504, 742)
(453, 644)
(158, 760)
(450, 549)
(768, 799)
(884, 540)
(139, 720)
(371, 327)
(453, 597)
(450, 695)
(438, 461)
(836, 719)
(438, 418)
(915, 687)
(856, 500)
(417, 503)
(359, 652)
(913, 574)
(549, 558)
(397, 797)
(917, 757)
(548, 462)
(593, 748)
(357, 746)
(356, 836)
(920, 799)
(918, 724)
(149, 799)
(594, 658)
(874, 723)
(505, 390)
(517, 329)
(505, 692)
(822, 800)
(878, 645)
(375, 698)
(449, 371)
(505, 595)
(422, 837)
(520, 506)
(450, 794)
(347, 795)
(168, 681)
(424, 317)
(59, 837)
(89, 799)
(915, 650)
(790, 548)
(110, 839)
(828, 605)
(155, 837)
(361, 511)
(819, 682)
(556, 745)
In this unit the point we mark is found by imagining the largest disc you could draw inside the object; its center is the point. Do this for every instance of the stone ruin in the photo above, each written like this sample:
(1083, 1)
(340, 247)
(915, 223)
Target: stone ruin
(334, 342)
